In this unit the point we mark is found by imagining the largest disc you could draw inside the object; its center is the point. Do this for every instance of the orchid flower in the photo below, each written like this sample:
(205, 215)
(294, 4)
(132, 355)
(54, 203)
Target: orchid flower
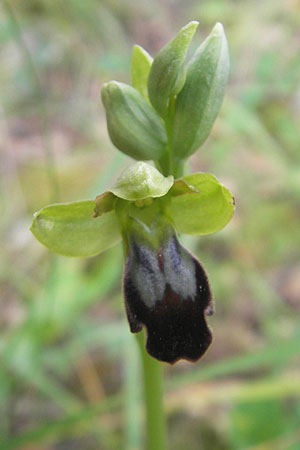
(166, 289)
(165, 116)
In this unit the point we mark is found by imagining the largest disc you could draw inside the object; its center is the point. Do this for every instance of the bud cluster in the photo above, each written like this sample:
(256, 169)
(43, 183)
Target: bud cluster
(169, 110)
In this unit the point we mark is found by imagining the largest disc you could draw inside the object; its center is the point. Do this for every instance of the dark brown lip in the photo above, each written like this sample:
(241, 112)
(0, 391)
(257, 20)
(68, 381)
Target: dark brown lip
(176, 319)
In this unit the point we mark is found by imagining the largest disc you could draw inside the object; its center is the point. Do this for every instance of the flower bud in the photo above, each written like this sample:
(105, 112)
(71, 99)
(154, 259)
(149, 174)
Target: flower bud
(133, 125)
(167, 73)
(140, 66)
(199, 102)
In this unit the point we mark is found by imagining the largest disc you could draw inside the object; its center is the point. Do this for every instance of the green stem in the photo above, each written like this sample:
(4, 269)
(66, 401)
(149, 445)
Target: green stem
(153, 392)
(168, 165)
(152, 369)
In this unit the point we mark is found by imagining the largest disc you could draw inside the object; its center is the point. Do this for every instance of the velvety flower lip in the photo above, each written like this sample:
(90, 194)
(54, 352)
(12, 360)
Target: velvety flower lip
(167, 291)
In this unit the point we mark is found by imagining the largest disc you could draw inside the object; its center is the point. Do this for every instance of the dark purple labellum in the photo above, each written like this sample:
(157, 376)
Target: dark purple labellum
(167, 291)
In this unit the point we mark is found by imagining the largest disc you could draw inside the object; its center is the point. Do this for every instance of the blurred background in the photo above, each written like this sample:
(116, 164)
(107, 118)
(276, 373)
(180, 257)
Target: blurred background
(69, 372)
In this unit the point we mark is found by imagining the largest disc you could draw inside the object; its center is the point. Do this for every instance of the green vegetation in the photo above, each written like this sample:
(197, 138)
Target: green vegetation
(68, 375)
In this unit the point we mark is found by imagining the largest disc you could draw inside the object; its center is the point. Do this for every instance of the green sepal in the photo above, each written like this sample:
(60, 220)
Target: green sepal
(199, 102)
(140, 67)
(167, 73)
(70, 229)
(104, 203)
(204, 212)
(132, 124)
(141, 181)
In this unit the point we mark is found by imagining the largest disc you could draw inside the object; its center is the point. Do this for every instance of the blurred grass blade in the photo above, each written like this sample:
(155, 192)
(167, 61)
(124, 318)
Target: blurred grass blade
(132, 424)
(62, 425)
(272, 355)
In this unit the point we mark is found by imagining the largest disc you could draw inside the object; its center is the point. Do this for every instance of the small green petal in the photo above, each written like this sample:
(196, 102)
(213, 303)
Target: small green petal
(181, 187)
(104, 203)
(141, 181)
(70, 229)
(140, 67)
(204, 212)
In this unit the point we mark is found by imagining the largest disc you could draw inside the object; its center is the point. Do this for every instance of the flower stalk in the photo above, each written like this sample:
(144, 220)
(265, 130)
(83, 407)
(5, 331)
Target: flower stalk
(153, 398)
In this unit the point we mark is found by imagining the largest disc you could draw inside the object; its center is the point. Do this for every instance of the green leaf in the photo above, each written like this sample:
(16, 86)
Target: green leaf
(71, 230)
(167, 73)
(132, 124)
(140, 67)
(198, 103)
(205, 212)
(141, 181)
